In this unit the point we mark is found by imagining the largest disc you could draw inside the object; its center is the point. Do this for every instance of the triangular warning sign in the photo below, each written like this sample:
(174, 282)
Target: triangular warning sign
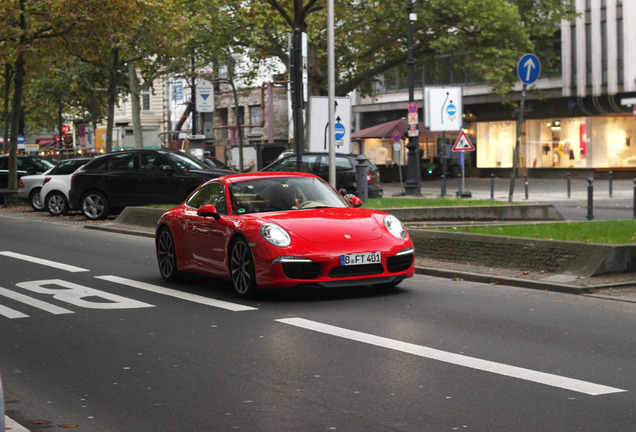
(205, 95)
(463, 143)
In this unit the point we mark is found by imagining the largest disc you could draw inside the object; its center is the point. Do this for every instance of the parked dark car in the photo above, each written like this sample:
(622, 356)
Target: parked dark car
(27, 165)
(115, 180)
(213, 162)
(318, 164)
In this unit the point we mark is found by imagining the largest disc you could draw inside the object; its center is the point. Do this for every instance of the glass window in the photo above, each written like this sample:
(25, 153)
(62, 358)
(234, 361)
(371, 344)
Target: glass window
(68, 166)
(256, 119)
(145, 98)
(210, 194)
(152, 162)
(125, 161)
(186, 162)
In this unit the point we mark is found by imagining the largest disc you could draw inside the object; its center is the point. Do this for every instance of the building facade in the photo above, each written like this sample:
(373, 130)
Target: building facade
(579, 119)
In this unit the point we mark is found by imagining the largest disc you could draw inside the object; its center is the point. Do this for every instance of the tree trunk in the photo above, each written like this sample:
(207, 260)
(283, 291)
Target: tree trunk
(112, 99)
(8, 72)
(16, 109)
(133, 82)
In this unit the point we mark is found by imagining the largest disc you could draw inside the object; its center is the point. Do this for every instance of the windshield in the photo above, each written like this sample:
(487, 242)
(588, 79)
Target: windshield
(43, 164)
(283, 193)
(186, 162)
(68, 166)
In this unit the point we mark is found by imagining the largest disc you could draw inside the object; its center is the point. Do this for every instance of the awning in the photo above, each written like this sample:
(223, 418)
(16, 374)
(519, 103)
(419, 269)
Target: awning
(385, 130)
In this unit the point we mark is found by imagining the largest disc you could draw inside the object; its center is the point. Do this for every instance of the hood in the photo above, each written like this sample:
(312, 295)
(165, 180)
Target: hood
(331, 225)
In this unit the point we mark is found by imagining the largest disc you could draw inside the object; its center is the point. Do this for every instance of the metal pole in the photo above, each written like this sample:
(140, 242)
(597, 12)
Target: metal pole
(515, 157)
(569, 180)
(590, 199)
(413, 177)
(443, 194)
(611, 180)
(297, 88)
(634, 205)
(331, 93)
(525, 185)
(492, 186)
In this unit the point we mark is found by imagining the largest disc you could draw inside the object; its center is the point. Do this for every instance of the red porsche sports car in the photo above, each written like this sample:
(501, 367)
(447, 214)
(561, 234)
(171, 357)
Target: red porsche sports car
(271, 230)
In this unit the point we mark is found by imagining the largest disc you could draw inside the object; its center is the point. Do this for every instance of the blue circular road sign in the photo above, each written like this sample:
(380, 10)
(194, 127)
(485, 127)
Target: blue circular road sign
(340, 131)
(451, 109)
(529, 68)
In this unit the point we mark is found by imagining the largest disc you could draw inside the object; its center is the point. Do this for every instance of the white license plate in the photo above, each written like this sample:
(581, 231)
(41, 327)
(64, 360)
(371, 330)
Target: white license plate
(361, 258)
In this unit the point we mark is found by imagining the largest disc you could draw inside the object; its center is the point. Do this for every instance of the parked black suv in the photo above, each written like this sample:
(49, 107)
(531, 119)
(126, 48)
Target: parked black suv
(318, 164)
(115, 180)
(27, 165)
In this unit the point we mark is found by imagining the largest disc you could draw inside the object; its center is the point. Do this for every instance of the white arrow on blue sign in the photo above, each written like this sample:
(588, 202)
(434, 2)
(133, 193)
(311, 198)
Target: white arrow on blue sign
(529, 68)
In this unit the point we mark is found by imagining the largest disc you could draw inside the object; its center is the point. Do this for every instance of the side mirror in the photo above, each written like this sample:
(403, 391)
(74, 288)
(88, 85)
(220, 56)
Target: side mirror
(208, 210)
(353, 200)
(167, 168)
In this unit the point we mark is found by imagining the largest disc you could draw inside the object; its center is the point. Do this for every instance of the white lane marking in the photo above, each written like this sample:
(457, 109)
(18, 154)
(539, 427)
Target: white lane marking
(11, 313)
(56, 310)
(79, 295)
(57, 265)
(10, 425)
(177, 294)
(457, 359)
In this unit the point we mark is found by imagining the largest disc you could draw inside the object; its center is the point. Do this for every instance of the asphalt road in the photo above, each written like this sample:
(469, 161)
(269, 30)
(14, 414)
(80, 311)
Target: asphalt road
(92, 339)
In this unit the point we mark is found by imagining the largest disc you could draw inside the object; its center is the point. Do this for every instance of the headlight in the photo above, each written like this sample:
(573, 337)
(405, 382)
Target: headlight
(394, 226)
(275, 235)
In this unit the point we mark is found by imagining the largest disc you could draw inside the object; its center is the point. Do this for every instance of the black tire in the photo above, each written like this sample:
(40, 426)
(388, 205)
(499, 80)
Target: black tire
(242, 273)
(95, 206)
(37, 204)
(166, 256)
(56, 203)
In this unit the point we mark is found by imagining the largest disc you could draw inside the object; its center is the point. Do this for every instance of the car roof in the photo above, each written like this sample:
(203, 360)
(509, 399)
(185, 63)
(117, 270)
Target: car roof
(234, 178)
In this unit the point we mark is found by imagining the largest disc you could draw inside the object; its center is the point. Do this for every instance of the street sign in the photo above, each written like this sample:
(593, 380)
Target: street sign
(463, 143)
(413, 132)
(413, 118)
(319, 124)
(443, 108)
(204, 96)
(397, 144)
(529, 68)
(412, 107)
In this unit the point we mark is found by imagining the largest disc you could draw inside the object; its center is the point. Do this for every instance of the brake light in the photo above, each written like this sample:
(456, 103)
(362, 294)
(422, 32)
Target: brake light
(73, 178)
(46, 180)
(20, 184)
(369, 178)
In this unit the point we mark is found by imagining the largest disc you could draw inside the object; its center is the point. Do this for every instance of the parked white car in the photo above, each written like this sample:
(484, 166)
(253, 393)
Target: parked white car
(56, 185)
(29, 187)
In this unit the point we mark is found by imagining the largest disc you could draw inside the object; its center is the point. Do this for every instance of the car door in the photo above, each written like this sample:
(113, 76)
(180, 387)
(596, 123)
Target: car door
(204, 237)
(121, 179)
(159, 182)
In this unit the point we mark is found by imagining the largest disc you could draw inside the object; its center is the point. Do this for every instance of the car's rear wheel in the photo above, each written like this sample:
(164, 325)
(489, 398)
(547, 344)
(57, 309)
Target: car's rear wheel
(166, 256)
(95, 206)
(35, 200)
(56, 203)
(242, 268)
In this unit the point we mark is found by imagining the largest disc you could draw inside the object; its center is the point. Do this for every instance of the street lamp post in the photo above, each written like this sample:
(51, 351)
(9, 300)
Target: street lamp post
(413, 181)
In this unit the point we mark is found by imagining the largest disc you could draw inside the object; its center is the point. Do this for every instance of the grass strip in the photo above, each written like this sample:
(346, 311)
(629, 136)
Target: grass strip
(606, 232)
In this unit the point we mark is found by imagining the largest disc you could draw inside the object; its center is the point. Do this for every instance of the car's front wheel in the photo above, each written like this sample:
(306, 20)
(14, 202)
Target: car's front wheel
(36, 200)
(166, 256)
(95, 206)
(242, 268)
(56, 203)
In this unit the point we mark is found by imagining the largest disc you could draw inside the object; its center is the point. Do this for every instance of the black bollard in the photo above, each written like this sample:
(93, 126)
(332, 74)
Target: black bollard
(611, 180)
(492, 186)
(590, 199)
(443, 185)
(634, 206)
(525, 185)
(569, 179)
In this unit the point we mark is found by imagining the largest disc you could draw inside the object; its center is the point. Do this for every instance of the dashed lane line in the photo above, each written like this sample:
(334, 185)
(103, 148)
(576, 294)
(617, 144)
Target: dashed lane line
(44, 262)
(457, 359)
(177, 294)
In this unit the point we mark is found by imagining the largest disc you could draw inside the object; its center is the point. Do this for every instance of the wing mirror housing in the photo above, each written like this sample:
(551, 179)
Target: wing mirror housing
(208, 210)
(353, 200)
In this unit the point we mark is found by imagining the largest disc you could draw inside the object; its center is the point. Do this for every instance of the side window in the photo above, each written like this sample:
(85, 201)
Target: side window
(4, 163)
(343, 164)
(211, 193)
(125, 161)
(151, 162)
